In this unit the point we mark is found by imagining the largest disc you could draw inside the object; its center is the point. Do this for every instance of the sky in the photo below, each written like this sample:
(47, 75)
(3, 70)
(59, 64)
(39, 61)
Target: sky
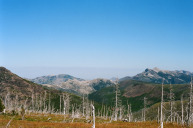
(95, 38)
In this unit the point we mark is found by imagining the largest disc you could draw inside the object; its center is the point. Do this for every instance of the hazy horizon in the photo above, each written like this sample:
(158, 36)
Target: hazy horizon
(79, 72)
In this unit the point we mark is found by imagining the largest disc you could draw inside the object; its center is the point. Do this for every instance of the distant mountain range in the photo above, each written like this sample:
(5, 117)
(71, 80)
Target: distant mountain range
(156, 75)
(133, 89)
(80, 86)
(72, 84)
(54, 79)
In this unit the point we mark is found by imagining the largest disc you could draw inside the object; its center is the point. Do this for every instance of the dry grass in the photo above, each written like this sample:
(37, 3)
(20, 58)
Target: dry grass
(40, 121)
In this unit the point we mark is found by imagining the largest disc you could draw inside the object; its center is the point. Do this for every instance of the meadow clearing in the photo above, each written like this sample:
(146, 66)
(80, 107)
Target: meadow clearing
(58, 121)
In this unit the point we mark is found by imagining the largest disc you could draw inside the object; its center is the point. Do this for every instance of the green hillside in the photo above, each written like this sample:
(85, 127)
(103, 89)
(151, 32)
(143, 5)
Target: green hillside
(133, 92)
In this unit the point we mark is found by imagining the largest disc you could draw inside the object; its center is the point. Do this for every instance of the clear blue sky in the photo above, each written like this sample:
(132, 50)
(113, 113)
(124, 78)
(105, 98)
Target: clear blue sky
(109, 35)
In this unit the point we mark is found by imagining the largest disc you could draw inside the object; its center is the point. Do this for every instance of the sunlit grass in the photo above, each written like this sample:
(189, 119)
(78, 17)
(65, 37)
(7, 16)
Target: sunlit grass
(58, 121)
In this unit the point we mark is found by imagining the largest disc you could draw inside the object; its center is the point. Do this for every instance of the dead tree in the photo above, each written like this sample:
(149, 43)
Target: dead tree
(190, 105)
(60, 103)
(129, 114)
(22, 112)
(158, 120)
(7, 101)
(49, 104)
(93, 114)
(36, 102)
(66, 101)
(87, 108)
(32, 101)
(120, 113)
(83, 105)
(16, 102)
(161, 118)
(117, 100)
(116, 104)
(45, 100)
(171, 102)
(144, 110)
(182, 107)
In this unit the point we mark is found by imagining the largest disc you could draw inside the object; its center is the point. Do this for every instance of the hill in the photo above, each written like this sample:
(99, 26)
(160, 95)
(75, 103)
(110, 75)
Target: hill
(72, 84)
(156, 76)
(54, 79)
(16, 90)
(133, 92)
(11, 83)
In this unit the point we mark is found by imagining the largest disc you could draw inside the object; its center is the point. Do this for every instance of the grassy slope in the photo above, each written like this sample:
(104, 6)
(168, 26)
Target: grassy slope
(57, 121)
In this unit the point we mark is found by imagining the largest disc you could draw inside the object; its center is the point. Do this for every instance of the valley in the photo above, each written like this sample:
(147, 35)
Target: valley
(62, 99)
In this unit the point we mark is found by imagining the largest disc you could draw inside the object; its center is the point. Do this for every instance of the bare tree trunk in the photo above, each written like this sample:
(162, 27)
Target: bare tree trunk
(145, 104)
(120, 113)
(45, 100)
(128, 114)
(32, 101)
(16, 102)
(36, 102)
(49, 108)
(158, 115)
(60, 104)
(182, 109)
(171, 103)
(161, 118)
(22, 112)
(64, 104)
(83, 106)
(190, 105)
(116, 106)
(117, 100)
(93, 113)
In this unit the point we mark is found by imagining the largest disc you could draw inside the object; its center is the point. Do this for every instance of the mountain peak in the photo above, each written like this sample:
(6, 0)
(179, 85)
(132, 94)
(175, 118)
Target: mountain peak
(3, 69)
(147, 69)
(156, 75)
(156, 69)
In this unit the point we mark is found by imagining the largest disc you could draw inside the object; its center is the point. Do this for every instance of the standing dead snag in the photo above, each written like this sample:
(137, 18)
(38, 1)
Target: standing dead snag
(145, 105)
(171, 102)
(66, 101)
(93, 113)
(190, 105)
(87, 107)
(22, 112)
(83, 105)
(32, 101)
(60, 103)
(117, 100)
(161, 118)
(44, 101)
(182, 109)
(158, 114)
(129, 114)
(49, 104)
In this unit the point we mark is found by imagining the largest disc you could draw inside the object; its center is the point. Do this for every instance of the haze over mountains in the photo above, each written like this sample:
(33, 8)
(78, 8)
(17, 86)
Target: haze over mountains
(100, 90)
(81, 86)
